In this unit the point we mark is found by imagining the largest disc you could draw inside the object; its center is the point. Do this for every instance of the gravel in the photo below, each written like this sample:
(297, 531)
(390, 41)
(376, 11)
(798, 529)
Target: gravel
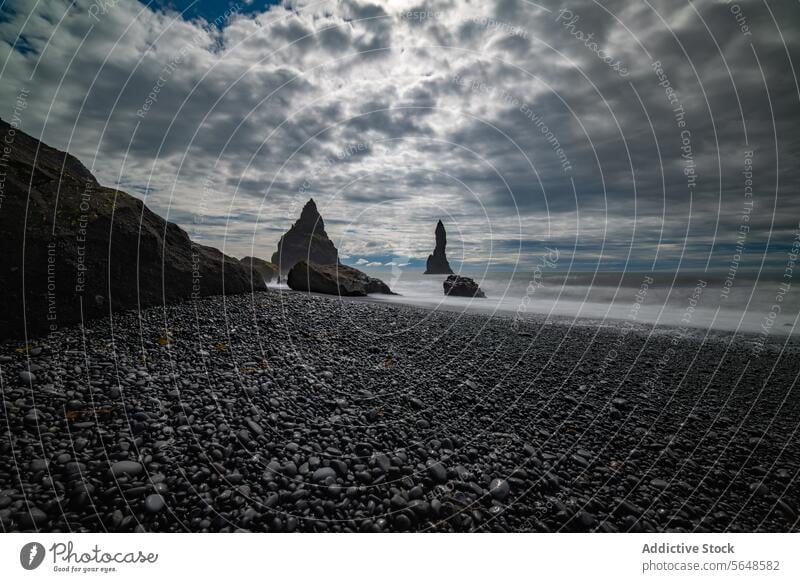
(289, 412)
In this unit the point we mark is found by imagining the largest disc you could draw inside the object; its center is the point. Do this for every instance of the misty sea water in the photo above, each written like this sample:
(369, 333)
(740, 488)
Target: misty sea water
(692, 300)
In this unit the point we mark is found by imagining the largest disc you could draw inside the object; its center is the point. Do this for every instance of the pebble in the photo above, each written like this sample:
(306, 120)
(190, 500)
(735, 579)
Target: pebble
(322, 474)
(436, 471)
(34, 518)
(499, 489)
(284, 443)
(129, 468)
(27, 377)
(154, 503)
(37, 465)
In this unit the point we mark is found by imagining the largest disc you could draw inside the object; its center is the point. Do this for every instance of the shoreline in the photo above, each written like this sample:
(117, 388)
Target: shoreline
(533, 317)
(293, 412)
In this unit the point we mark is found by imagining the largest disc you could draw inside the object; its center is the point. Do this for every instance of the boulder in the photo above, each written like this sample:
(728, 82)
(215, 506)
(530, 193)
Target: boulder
(265, 269)
(459, 286)
(84, 250)
(306, 240)
(437, 262)
(334, 280)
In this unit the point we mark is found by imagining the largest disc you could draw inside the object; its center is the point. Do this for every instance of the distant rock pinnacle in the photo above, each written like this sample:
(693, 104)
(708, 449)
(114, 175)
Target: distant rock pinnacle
(437, 262)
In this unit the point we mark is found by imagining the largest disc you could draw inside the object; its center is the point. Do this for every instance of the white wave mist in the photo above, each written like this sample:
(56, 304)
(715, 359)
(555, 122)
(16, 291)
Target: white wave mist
(608, 297)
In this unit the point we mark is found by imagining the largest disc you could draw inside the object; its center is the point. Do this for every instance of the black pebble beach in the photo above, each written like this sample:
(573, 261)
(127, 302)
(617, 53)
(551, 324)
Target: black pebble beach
(286, 412)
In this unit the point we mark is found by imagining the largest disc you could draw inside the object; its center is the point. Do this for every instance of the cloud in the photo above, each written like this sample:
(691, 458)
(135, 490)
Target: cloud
(507, 120)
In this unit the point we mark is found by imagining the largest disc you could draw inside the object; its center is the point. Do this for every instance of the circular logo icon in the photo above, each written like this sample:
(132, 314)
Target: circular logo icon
(31, 555)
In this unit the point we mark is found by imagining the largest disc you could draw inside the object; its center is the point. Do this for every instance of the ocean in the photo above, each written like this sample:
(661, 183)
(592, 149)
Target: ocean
(692, 300)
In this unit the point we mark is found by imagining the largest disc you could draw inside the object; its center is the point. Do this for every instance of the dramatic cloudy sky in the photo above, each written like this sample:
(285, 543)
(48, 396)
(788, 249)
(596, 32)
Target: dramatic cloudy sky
(395, 114)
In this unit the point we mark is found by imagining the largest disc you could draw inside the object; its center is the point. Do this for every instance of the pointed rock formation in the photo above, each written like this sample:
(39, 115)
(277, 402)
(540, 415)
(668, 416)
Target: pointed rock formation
(73, 249)
(437, 262)
(305, 241)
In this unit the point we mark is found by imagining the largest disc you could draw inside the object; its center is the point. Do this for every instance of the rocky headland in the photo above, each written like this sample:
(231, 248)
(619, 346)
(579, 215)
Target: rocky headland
(268, 271)
(75, 250)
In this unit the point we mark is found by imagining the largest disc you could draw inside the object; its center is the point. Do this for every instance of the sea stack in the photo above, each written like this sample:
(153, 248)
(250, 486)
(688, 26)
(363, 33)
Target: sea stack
(458, 286)
(437, 262)
(306, 240)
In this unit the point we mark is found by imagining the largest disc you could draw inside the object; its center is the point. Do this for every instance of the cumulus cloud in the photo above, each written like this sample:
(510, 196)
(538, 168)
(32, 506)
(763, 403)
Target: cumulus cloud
(511, 121)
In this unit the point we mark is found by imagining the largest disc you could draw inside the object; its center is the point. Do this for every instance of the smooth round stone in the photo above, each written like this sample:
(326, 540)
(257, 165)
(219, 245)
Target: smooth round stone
(402, 523)
(436, 471)
(499, 488)
(383, 462)
(659, 483)
(154, 503)
(254, 426)
(73, 468)
(289, 469)
(27, 377)
(587, 520)
(323, 473)
(37, 465)
(35, 518)
(129, 468)
(398, 502)
(35, 416)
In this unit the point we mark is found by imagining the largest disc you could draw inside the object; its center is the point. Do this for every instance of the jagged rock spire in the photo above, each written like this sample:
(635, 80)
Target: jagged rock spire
(437, 262)
(306, 240)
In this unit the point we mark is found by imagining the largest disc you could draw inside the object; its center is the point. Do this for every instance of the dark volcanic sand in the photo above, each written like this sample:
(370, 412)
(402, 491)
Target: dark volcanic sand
(284, 412)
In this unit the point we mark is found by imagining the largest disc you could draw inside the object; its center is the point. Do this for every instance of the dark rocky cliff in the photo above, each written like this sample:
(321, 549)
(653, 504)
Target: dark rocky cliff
(73, 249)
(265, 269)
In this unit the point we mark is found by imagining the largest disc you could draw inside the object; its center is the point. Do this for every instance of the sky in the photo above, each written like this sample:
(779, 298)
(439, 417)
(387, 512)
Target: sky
(617, 132)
